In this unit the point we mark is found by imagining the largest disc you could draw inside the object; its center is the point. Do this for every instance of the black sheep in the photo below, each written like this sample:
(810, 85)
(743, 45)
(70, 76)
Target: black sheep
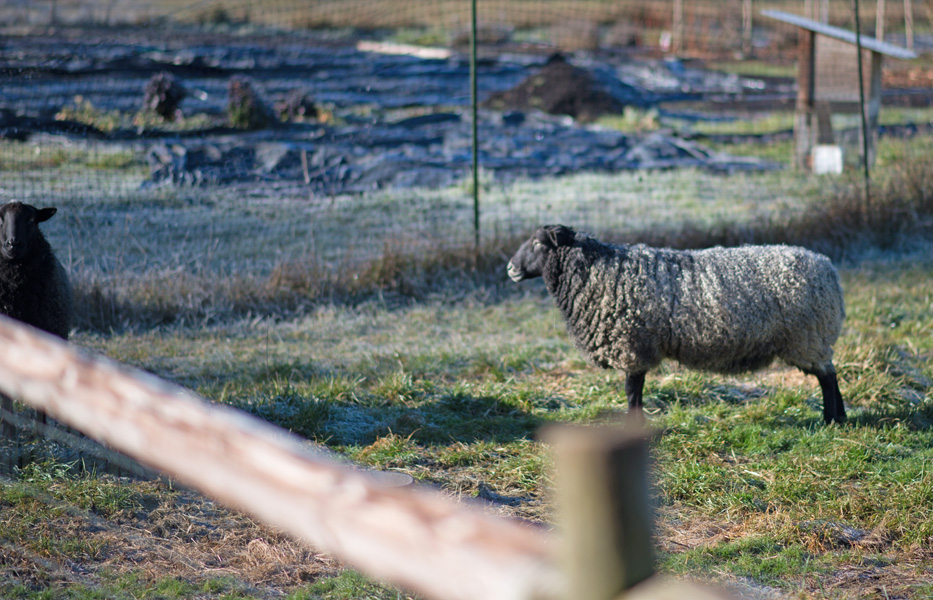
(34, 287)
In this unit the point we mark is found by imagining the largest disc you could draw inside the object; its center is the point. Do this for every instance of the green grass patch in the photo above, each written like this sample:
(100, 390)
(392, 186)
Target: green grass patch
(759, 558)
(75, 486)
(82, 110)
(756, 68)
(349, 585)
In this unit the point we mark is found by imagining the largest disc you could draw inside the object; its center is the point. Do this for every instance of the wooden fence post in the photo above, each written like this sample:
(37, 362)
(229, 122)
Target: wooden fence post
(879, 20)
(804, 115)
(677, 27)
(602, 497)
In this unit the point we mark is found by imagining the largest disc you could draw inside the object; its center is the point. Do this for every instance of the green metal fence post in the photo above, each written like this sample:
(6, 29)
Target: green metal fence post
(861, 106)
(473, 102)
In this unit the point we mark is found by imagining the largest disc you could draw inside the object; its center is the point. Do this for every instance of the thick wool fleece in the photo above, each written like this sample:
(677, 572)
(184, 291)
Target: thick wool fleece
(727, 310)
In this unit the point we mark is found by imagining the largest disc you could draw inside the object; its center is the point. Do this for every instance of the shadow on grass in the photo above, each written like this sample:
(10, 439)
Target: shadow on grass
(804, 413)
(448, 418)
(460, 417)
(913, 416)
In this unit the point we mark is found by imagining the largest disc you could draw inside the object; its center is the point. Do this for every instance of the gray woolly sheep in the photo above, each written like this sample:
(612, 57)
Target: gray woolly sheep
(726, 310)
(34, 287)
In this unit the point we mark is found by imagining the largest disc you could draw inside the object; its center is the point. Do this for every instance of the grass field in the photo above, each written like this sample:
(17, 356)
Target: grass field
(752, 489)
(447, 371)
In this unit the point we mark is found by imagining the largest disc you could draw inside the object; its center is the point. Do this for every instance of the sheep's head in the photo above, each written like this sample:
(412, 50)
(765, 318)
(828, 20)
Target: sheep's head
(19, 227)
(530, 259)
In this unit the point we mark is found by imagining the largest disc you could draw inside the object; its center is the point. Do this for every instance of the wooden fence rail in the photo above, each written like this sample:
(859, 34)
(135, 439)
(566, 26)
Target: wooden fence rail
(409, 536)
(415, 538)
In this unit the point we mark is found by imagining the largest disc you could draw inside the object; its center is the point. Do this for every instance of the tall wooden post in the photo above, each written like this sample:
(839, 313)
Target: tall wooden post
(879, 20)
(804, 113)
(866, 134)
(677, 27)
(746, 27)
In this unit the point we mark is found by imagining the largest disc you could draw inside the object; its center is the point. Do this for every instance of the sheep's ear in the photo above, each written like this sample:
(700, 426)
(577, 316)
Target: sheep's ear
(558, 235)
(542, 238)
(44, 214)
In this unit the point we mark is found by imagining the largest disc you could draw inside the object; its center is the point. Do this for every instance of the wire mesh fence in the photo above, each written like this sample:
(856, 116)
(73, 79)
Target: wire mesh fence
(124, 114)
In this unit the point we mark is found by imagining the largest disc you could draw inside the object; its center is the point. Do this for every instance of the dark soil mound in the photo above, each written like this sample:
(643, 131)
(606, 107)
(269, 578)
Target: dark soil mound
(558, 88)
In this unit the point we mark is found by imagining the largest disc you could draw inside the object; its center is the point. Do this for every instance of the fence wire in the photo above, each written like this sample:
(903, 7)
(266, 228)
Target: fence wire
(360, 148)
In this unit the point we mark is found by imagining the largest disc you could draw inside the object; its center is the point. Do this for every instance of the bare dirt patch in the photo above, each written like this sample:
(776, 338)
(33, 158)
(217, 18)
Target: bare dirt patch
(184, 536)
(677, 535)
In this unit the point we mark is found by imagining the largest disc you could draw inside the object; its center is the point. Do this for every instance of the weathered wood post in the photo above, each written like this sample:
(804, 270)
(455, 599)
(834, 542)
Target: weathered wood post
(805, 109)
(677, 27)
(879, 20)
(603, 503)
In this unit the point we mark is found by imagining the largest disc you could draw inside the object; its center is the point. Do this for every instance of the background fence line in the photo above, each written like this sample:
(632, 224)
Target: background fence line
(111, 177)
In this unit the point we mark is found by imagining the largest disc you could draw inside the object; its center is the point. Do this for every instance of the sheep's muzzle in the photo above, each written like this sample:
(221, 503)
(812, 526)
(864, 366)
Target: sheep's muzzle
(515, 274)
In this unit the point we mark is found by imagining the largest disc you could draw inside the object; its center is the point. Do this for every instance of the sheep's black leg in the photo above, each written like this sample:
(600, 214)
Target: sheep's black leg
(833, 408)
(41, 420)
(634, 384)
(8, 430)
(840, 406)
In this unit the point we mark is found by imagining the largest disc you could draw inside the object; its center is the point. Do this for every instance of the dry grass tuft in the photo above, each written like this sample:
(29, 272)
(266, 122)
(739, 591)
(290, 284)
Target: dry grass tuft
(899, 207)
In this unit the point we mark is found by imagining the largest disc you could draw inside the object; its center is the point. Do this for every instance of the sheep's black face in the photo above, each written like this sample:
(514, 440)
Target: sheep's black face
(19, 226)
(528, 262)
(530, 259)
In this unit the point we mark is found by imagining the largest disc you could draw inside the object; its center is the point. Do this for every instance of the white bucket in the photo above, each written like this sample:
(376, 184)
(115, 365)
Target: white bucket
(827, 159)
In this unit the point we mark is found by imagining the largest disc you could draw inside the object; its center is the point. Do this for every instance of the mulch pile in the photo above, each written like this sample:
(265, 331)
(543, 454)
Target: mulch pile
(559, 88)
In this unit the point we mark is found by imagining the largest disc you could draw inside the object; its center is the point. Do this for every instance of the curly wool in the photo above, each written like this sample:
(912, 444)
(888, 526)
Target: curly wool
(727, 310)
(40, 297)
